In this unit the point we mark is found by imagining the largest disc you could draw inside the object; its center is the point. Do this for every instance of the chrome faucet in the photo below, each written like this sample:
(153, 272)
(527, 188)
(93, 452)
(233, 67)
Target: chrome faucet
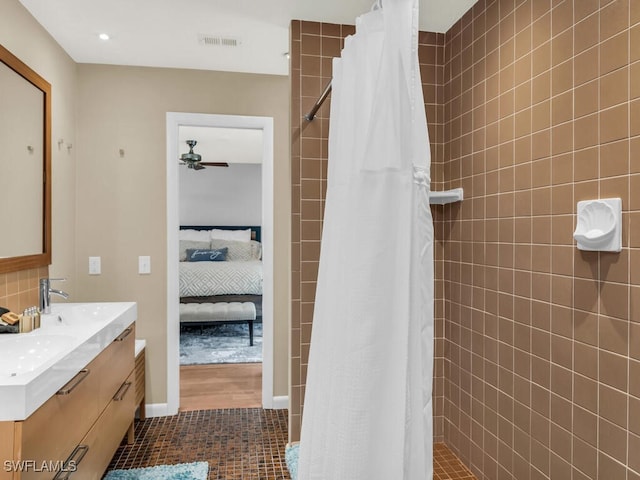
(46, 291)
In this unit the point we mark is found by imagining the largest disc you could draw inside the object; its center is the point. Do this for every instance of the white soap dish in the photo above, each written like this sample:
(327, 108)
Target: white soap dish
(599, 225)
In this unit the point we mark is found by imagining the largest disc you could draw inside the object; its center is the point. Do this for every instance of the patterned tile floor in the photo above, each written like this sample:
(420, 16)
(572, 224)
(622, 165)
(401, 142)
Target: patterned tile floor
(239, 444)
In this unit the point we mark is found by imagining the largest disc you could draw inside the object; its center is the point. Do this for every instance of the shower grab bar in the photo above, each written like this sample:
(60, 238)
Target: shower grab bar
(323, 96)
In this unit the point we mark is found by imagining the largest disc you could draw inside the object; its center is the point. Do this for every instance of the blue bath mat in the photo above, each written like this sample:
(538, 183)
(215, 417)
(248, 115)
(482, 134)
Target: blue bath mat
(291, 457)
(181, 471)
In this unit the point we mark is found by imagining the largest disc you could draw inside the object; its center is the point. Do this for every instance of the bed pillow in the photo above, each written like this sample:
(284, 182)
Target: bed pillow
(236, 251)
(256, 250)
(209, 255)
(237, 235)
(195, 235)
(186, 244)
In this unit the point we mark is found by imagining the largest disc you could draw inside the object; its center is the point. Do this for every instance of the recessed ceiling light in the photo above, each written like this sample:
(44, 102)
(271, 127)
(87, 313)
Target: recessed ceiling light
(103, 36)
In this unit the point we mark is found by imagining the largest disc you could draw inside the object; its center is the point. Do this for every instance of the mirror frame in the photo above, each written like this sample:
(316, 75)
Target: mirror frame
(13, 264)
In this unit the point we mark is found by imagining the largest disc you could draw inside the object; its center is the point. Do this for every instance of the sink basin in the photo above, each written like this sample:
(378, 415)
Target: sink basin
(25, 353)
(84, 315)
(34, 365)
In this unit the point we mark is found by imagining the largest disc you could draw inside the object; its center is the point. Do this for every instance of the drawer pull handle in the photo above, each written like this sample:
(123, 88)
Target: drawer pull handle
(122, 391)
(71, 464)
(123, 335)
(74, 382)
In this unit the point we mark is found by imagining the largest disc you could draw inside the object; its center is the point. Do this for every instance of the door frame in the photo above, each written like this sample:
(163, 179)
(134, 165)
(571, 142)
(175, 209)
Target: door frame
(174, 121)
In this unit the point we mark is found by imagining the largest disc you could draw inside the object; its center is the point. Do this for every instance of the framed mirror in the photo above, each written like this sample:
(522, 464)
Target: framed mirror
(25, 166)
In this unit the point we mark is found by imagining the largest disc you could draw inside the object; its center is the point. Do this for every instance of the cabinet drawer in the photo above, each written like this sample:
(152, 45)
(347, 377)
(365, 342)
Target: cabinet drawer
(51, 433)
(6, 445)
(103, 439)
(119, 361)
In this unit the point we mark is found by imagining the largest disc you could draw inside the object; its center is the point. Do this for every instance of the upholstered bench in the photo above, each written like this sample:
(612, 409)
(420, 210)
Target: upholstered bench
(221, 312)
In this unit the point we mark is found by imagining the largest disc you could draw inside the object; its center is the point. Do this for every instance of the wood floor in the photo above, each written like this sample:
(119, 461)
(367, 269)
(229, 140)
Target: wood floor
(207, 387)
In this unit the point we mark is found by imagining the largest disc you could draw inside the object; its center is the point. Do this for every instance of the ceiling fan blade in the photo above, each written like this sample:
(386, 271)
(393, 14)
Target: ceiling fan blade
(215, 164)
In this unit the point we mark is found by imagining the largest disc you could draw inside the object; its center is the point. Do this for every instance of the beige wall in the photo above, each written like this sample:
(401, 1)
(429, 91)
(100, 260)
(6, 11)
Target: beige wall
(25, 38)
(118, 204)
(122, 200)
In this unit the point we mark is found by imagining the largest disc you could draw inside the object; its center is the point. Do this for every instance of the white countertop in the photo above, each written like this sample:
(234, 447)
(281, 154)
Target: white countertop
(140, 345)
(69, 338)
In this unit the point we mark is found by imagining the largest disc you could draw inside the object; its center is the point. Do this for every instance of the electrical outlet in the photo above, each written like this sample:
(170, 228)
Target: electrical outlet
(94, 266)
(144, 265)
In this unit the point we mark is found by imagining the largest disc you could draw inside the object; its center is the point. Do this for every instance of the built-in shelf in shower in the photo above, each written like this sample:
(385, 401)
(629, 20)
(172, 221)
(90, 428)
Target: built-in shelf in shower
(446, 196)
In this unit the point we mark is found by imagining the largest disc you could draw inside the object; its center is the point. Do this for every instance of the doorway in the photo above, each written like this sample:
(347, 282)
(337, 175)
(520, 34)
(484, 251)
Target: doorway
(176, 121)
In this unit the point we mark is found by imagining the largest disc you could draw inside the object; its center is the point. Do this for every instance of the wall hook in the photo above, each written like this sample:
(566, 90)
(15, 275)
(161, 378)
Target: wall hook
(121, 151)
(60, 142)
(30, 148)
(69, 147)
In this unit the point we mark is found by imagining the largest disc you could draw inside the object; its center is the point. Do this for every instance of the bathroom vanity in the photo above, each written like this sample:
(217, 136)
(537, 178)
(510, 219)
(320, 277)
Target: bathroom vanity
(66, 410)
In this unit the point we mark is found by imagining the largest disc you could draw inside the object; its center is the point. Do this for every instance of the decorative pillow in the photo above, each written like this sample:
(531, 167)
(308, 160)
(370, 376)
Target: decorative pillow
(186, 244)
(237, 235)
(237, 251)
(195, 235)
(256, 250)
(198, 255)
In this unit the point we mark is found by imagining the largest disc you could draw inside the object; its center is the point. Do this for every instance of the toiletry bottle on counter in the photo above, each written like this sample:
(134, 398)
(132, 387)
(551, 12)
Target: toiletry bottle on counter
(30, 320)
(26, 322)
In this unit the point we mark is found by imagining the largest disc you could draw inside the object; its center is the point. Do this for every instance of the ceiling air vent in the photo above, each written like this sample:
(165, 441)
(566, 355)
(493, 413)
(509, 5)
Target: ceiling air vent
(218, 40)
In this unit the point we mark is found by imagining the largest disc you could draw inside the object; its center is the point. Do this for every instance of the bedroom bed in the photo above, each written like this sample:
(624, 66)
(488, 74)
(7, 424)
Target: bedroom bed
(236, 277)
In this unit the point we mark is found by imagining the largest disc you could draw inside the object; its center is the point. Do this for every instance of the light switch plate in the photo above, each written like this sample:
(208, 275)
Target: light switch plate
(144, 265)
(95, 267)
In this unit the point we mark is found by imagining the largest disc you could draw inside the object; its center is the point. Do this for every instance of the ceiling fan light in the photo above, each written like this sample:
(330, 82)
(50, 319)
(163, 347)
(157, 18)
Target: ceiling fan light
(190, 157)
(195, 166)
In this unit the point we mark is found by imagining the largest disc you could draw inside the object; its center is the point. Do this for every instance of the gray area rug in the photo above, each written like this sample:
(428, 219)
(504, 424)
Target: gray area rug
(225, 343)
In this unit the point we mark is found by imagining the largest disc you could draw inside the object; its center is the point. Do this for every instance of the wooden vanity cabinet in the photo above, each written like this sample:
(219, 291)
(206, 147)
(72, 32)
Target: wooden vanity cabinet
(106, 434)
(82, 425)
(140, 383)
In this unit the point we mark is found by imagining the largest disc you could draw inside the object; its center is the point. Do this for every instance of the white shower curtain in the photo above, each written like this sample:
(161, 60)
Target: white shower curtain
(367, 411)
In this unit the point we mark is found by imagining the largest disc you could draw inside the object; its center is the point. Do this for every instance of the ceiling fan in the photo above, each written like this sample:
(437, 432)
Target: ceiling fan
(194, 161)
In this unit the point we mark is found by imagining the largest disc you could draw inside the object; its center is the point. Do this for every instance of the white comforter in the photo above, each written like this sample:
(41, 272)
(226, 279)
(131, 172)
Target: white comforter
(201, 279)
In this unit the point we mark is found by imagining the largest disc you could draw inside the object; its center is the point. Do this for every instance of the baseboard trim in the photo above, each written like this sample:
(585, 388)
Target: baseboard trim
(281, 402)
(157, 410)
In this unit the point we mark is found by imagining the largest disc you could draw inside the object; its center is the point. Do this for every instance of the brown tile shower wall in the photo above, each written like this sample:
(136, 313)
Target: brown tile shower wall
(19, 290)
(542, 350)
(313, 45)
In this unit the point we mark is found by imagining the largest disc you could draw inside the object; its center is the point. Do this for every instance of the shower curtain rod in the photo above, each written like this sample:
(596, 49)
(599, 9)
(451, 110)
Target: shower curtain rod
(327, 90)
(323, 96)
